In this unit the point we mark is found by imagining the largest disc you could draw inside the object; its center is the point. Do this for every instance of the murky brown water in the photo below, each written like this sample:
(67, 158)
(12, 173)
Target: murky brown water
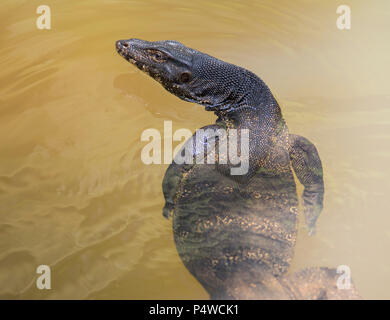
(74, 193)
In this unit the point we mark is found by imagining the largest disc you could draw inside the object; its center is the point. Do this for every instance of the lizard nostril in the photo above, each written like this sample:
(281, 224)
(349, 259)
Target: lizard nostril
(125, 44)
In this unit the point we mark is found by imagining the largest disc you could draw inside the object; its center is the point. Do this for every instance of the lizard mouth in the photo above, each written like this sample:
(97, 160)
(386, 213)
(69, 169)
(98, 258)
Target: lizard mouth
(123, 48)
(126, 50)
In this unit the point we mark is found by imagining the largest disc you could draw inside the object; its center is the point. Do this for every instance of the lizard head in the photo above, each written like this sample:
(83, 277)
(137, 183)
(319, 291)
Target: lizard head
(191, 75)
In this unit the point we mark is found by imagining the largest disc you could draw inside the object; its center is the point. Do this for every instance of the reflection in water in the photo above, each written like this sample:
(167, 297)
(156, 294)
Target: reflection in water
(74, 193)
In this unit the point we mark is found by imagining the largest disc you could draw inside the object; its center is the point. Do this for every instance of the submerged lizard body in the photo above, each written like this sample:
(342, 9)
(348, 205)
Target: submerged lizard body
(235, 233)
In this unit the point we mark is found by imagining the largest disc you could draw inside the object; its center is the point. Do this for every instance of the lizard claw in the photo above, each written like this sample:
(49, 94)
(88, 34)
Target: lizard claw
(168, 210)
(311, 230)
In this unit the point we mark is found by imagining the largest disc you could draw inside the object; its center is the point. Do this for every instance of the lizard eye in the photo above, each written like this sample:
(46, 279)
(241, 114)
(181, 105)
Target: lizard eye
(157, 56)
(185, 77)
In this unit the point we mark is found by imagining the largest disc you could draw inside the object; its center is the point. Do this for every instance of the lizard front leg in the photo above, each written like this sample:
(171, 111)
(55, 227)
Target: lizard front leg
(308, 168)
(176, 172)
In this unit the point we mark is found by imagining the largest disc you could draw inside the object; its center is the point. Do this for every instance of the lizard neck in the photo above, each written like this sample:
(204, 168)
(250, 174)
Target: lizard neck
(266, 116)
(251, 105)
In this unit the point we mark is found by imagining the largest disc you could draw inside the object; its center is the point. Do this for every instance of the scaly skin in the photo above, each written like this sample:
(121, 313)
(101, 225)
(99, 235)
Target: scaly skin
(236, 233)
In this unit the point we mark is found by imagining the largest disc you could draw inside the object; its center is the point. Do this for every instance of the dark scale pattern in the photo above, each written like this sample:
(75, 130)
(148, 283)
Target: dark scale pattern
(236, 234)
